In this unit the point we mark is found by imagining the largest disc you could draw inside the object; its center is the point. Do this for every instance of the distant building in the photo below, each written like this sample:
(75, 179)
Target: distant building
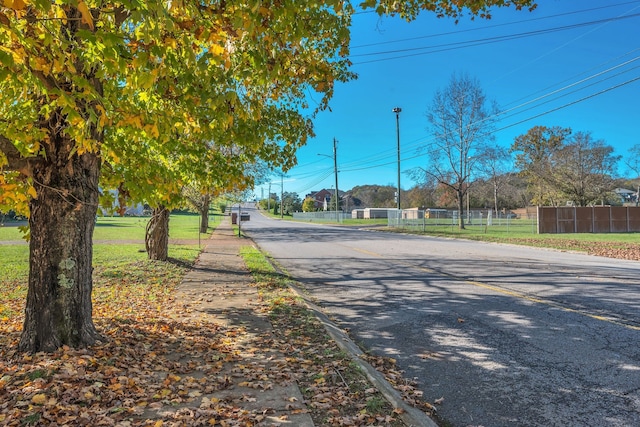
(626, 196)
(323, 199)
(117, 207)
(373, 213)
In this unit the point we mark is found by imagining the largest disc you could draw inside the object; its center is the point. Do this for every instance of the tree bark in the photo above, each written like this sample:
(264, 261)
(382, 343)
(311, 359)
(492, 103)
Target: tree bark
(204, 213)
(460, 195)
(58, 309)
(157, 234)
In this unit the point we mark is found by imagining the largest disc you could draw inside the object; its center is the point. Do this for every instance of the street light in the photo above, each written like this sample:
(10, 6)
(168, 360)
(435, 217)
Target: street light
(397, 110)
(335, 171)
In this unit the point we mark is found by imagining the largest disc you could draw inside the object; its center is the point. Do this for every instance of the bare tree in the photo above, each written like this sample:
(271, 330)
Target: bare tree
(462, 125)
(494, 163)
(633, 163)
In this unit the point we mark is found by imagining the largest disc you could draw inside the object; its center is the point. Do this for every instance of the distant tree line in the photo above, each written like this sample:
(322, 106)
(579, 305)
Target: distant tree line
(545, 166)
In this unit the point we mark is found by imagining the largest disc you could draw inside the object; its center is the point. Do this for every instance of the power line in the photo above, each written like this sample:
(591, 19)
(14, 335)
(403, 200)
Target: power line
(317, 181)
(494, 26)
(576, 75)
(479, 42)
(363, 164)
(577, 83)
(585, 98)
(379, 160)
(593, 95)
(552, 110)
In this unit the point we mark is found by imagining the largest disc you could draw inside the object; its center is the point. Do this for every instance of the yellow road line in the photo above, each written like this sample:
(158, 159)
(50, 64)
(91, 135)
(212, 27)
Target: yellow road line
(511, 293)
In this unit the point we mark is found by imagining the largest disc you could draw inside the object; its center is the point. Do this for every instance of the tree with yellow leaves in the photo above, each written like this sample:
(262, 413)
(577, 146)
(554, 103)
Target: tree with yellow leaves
(93, 85)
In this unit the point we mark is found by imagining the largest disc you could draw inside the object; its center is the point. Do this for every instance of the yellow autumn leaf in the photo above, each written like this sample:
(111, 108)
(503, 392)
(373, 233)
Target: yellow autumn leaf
(102, 114)
(32, 192)
(216, 49)
(40, 64)
(162, 393)
(15, 4)
(62, 15)
(39, 399)
(171, 42)
(86, 14)
(152, 130)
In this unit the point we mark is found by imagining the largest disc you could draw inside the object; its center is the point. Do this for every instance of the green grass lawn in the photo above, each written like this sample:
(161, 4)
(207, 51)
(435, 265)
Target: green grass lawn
(524, 230)
(123, 262)
(181, 226)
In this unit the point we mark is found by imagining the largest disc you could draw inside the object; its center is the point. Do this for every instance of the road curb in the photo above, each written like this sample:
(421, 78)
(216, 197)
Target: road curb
(410, 415)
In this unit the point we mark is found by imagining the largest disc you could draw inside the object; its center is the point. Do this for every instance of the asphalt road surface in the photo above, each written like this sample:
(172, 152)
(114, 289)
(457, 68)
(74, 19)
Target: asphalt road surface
(503, 335)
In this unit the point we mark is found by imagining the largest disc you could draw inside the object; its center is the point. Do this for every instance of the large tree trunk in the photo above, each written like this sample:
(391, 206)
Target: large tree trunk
(204, 213)
(460, 195)
(157, 234)
(58, 309)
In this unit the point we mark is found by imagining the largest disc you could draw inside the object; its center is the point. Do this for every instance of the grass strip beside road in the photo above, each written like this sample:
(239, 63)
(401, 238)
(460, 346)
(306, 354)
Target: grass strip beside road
(611, 245)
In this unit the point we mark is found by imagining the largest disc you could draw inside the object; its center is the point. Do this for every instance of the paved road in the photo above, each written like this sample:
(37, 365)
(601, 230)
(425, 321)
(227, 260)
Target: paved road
(506, 335)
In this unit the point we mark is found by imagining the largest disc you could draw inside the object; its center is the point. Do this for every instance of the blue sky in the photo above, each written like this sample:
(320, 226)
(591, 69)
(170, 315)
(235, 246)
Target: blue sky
(570, 63)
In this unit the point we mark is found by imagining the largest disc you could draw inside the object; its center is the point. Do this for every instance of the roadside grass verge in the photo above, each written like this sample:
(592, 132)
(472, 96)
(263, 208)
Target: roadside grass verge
(518, 232)
(181, 226)
(612, 245)
(336, 389)
(504, 233)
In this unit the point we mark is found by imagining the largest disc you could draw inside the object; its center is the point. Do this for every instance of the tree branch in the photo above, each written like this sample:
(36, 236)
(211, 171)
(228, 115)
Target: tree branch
(15, 160)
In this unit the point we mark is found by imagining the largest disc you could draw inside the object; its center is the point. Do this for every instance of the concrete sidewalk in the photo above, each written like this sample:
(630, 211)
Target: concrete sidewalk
(219, 288)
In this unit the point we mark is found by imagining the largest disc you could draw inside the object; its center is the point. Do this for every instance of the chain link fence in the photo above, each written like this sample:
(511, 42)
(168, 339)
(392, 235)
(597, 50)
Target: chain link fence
(481, 220)
(323, 216)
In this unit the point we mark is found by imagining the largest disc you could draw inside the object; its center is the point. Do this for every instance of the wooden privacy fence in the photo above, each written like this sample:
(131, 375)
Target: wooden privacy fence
(594, 219)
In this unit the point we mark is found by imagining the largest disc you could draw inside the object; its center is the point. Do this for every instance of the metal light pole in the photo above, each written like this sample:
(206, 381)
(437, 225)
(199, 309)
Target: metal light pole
(335, 171)
(269, 198)
(397, 110)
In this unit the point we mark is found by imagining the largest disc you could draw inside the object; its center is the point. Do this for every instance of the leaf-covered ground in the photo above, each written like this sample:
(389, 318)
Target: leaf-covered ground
(628, 251)
(122, 380)
(156, 368)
